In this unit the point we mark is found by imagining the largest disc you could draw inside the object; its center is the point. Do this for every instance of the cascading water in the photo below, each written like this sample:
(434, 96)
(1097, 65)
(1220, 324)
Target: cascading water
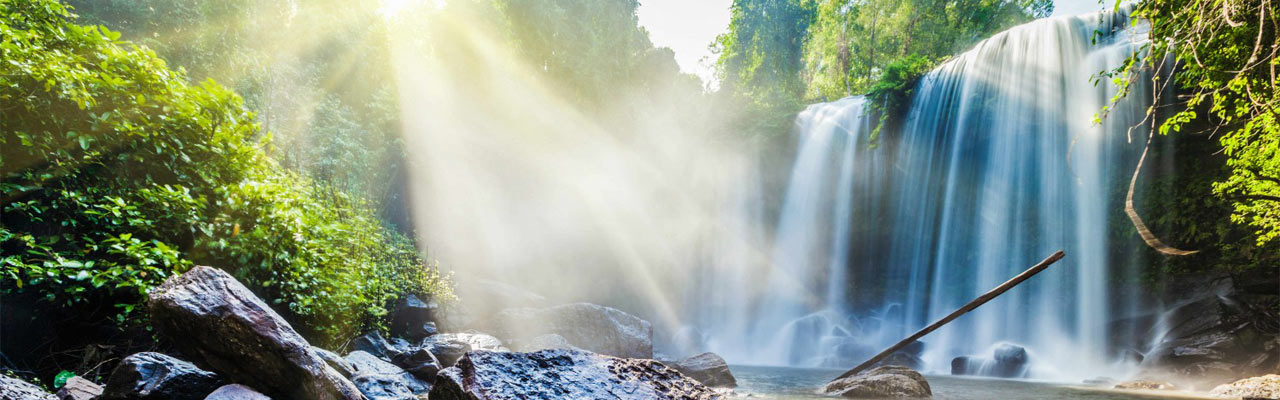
(996, 164)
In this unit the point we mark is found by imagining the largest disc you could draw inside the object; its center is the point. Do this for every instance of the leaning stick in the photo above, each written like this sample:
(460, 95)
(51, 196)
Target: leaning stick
(1004, 287)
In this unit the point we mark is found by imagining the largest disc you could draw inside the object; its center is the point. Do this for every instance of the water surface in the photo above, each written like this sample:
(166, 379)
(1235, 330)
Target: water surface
(784, 383)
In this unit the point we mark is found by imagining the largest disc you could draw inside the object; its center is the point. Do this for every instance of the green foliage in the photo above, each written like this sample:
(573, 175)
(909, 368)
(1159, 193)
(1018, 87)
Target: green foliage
(891, 94)
(760, 55)
(1225, 61)
(116, 174)
(852, 43)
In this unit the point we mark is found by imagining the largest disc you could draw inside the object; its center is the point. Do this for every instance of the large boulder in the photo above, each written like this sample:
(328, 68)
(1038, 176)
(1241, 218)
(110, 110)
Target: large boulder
(381, 380)
(335, 361)
(562, 374)
(543, 342)
(236, 392)
(218, 322)
(77, 388)
(157, 376)
(12, 388)
(413, 318)
(1261, 387)
(1215, 337)
(708, 368)
(892, 381)
(590, 327)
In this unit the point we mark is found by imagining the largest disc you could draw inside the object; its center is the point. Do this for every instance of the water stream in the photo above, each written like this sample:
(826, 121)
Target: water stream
(997, 163)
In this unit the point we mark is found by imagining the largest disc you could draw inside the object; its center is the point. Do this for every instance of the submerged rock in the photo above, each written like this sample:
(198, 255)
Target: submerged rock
(157, 376)
(12, 388)
(1260, 387)
(236, 392)
(708, 368)
(77, 388)
(892, 381)
(1007, 361)
(591, 327)
(563, 374)
(214, 319)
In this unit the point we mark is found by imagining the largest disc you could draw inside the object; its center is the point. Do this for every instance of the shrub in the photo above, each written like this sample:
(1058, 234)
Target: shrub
(115, 173)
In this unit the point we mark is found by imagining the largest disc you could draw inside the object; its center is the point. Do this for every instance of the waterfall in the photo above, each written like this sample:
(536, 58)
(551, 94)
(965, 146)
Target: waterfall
(996, 164)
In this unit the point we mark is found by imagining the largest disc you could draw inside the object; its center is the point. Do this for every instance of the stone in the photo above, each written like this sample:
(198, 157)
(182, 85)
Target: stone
(236, 392)
(563, 374)
(962, 366)
(893, 381)
(12, 388)
(335, 361)
(379, 379)
(1259, 387)
(1145, 385)
(373, 343)
(446, 353)
(157, 376)
(219, 323)
(1006, 361)
(419, 362)
(413, 318)
(476, 340)
(77, 388)
(708, 368)
(590, 327)
(1100, 381)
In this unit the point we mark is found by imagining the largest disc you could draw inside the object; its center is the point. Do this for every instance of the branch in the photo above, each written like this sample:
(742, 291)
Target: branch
(1148, 237)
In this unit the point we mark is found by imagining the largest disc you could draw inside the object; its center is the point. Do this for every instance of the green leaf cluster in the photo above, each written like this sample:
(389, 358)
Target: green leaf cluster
(116, 173)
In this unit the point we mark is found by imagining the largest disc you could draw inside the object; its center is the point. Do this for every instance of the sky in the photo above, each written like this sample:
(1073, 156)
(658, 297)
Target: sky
(689, 26)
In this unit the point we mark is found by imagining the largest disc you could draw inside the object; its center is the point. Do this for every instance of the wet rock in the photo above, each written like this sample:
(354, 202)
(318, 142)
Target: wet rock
(420, 363)
(892, 381)
(543, 342)
(413, 318)
(1007, 361)
(562, 374)
(475, 340)
(379, 379)
(335, 361)
(373, 343)
(157, 376)
(1145, 385)
(236, 392)
(77, 388)
(708, 368)
(446, 353)
(1261, 387)
(218, 322)
(1010, 361)
(12, 388)
(590, 327)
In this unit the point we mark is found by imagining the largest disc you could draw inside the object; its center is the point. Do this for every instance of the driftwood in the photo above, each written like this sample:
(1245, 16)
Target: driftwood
(983, 299)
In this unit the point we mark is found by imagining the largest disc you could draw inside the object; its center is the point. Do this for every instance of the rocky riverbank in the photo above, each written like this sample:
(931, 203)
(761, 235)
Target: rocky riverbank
(229, 345)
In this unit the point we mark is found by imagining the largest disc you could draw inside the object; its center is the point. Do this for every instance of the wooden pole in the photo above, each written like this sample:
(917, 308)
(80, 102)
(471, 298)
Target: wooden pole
(1004, 287)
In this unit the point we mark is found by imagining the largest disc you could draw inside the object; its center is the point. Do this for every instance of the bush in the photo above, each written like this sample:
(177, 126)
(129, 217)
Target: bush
(116, 173)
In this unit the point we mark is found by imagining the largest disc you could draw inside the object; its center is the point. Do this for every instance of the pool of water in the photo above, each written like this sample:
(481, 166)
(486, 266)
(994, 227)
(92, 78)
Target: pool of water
(785, 383)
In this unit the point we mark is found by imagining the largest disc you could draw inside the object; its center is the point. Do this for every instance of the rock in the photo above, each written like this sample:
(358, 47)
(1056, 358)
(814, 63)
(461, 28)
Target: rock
(236, 392)
(1261, 387)
(218, 322)
(1145, 385)
(413, 318)
(476, 340)
(880, 382)
(543, 342)
(1216, 337)
(157, 376)
(373, 343)
(446, 353)
(12, 388)
(419, 362)
(1007, 361)
(77, 388)
(1011, 361)
(335, 361)
(708, 368)
(562, 374)
(379, 379)
(1100, 381)
(590, 327)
